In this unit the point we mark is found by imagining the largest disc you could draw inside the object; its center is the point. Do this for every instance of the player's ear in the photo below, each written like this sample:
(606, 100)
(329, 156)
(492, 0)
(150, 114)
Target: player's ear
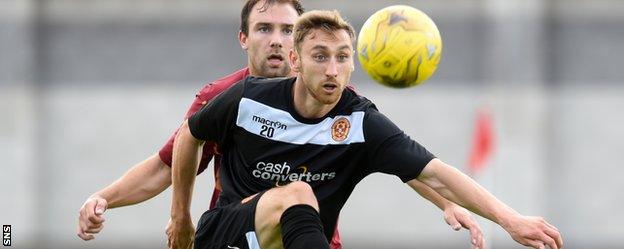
(293, 59)
(242, 39)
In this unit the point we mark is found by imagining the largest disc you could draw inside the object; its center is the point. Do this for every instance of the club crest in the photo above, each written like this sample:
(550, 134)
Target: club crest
(340, 129)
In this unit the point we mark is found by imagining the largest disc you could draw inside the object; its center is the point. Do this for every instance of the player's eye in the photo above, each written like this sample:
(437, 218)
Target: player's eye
(288, 31)
(264, 29)
(319, 57)
(343, 57)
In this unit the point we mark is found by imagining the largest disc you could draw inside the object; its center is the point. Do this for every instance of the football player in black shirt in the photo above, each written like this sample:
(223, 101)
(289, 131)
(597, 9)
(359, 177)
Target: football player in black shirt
(295, 148)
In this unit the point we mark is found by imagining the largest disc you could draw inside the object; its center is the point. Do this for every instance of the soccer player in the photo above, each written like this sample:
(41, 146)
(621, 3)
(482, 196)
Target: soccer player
(293, 150)
(266, 35)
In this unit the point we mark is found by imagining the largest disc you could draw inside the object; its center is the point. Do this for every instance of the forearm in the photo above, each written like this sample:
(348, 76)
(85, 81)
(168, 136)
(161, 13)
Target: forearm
(429, 194)
(461, 189)
(142, 182)
(186, 157)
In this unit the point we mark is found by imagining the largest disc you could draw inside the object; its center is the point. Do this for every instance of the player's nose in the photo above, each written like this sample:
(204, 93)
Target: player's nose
(276, 40)
(332, 69)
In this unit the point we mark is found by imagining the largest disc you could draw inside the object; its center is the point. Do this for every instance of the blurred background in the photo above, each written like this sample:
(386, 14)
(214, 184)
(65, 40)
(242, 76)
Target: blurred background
(89, 88)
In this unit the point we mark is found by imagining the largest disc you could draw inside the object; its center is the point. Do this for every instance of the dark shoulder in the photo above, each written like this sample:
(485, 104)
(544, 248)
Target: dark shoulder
(357, 102)
(378, 127)
(260, 86)
(266, 82)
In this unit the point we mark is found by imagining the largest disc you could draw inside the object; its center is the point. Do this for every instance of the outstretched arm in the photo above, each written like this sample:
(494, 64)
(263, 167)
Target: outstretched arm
(454, 215)
(140, 183)
(459, 188)
(186, 156)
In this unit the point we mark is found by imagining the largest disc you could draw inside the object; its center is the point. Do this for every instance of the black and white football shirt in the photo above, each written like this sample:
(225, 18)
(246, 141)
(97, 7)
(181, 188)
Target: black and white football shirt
(266, 143)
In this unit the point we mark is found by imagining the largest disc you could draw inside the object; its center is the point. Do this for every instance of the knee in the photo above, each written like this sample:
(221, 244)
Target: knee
(299, 188)
(296, 193)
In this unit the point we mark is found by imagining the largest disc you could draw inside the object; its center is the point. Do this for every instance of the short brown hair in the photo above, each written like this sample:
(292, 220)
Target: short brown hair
(246, 12)
(326, 20)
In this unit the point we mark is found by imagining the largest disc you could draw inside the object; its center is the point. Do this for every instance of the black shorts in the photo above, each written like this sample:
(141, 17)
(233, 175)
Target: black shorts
(229, 226)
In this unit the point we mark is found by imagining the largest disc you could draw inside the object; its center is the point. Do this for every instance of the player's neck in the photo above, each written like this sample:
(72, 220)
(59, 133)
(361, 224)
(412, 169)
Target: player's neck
(306, 104)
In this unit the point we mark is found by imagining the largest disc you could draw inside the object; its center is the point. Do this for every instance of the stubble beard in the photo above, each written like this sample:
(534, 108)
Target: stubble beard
(318, 94)
(270, 72)
(317, 91)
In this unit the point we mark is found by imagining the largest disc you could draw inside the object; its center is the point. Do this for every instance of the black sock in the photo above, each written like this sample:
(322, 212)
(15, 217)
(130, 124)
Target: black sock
(302, 228)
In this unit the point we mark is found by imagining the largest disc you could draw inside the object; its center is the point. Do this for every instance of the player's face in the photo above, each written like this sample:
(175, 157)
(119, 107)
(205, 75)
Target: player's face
(325, 63)
(269, 39)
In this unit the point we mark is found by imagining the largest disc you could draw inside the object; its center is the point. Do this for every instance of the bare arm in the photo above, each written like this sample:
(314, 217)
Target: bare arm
(186, 157)
(459, 188)
(142, 182)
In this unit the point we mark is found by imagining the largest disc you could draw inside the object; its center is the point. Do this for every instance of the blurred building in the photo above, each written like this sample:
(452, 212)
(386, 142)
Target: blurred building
(89, 88)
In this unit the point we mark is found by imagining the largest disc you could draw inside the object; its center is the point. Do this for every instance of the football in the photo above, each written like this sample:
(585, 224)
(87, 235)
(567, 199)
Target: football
(399, 46)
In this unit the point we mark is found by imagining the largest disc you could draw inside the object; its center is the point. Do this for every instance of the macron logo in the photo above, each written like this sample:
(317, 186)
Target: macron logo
(233, 247)
(269, 123)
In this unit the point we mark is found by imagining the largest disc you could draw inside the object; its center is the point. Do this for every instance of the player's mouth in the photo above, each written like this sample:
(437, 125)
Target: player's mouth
(275, 60)
(330, 87)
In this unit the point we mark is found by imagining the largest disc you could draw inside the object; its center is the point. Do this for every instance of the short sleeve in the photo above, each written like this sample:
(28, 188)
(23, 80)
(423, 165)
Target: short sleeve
(392, 151)
(215, 119)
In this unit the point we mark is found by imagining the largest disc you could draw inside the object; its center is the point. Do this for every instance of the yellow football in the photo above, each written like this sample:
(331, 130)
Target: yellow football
(399, 46)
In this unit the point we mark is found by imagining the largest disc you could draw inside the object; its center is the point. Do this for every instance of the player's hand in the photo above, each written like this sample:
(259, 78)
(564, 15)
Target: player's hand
(90, 219)
(180, 233)
(534, 232)
(458, 217)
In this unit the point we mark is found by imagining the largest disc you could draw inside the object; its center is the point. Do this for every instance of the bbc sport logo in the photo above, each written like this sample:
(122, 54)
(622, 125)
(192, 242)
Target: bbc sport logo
(6, 235)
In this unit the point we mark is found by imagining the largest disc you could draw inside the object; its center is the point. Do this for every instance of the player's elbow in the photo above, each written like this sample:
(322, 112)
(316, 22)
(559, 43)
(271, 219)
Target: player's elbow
(431, 176)
(442, 178)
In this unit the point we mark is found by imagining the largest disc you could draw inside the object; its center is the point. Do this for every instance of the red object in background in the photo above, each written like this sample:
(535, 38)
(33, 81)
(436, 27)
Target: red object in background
(483, 141)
